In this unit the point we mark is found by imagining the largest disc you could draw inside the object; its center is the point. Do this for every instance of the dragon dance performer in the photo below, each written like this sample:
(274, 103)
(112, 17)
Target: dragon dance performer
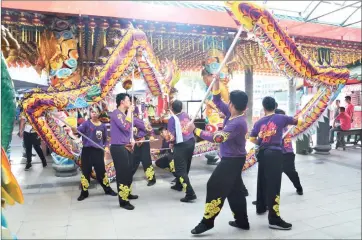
(289, 160)
(121, 149)
(142, 150)
(92, 155)
(225, 181)
(267, 133)
(183, 142)
(166, 160)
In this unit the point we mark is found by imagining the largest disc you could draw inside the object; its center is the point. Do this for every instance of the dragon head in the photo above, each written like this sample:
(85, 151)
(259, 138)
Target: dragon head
(129, 53)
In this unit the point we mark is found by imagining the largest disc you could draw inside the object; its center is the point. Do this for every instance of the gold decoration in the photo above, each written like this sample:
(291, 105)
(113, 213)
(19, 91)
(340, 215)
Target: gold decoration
(213, 208)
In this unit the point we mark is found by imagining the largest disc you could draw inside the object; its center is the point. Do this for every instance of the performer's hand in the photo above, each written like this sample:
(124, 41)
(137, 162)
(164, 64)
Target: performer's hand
(21, 134)
(171, 145)
(190, 127)
(133, 142)
(131, 108)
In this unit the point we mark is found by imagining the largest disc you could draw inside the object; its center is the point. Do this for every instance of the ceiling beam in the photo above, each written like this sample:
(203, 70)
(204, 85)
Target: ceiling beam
(350, 16)
(339, 9)
(349, 24)
(305, 19)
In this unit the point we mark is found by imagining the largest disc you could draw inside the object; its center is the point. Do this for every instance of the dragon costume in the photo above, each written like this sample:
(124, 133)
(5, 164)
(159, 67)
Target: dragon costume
(10, 189)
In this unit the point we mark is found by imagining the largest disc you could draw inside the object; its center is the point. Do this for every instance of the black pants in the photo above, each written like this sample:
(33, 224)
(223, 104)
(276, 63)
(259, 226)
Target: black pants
(183, 155)
(269, 182)
(93, 157)
(32, 140)
(225, 182)
(167, 163)
(123, 164)
(142, 154)
(289, 169)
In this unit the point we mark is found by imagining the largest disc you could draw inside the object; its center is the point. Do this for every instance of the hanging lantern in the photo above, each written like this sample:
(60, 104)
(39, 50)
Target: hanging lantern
(38, 24)
(23, 22)
(140, 26)
(116, 24)
(92, 25)
(104, 26)
(7, 20)
(80, 26)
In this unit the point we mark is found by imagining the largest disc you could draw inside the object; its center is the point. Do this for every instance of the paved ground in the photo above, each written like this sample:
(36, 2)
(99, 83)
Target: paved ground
(329, 209)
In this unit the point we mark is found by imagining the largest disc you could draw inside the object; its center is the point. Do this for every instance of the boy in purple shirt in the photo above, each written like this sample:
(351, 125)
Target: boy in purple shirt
(121, 147)
(184, 146)
(166, 160)
(267, 133)
(225, 181)
(141, 153)
(92, 155)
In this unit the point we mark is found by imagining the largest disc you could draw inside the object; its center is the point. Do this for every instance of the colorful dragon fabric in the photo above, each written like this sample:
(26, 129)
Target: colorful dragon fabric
(10, 189)
(286, 58)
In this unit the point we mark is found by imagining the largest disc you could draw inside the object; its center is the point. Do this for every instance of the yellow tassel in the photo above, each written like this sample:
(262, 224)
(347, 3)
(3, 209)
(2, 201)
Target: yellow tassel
(22, 35)
(36, 35)
(80, 39)
(39, 39)
(173, 43)
(222, 45)
(193, 45)
(179, 44)
(92, 36)
(161, 43)
(105, 38)
(25, 36)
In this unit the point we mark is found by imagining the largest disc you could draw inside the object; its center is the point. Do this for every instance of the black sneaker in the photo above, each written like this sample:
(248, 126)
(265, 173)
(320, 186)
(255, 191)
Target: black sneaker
(280, 224)
(254, 202)
(45, 165)
(189, 198)
(300, 191)
(110, 192)
(177, 188)
(28, 166)
(132, 197)
(201, 228)
(83, 196)
(245, 226)
(127, 206)
(174, 181)
(151, 183)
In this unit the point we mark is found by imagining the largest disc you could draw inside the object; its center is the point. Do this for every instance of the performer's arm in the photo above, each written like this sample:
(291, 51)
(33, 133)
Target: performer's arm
(82, 128)
(139, 124)
(124, 126)
(171, 129)
(254, 135)
(105, 135)
(21, 126)
(292, 121)
(231, 131)
(216, 98)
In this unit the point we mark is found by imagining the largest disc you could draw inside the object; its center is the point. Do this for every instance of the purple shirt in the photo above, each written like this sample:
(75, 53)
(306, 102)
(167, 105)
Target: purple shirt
(143, 129)
(231, 138)
(269, 130)
(184, 120)
(287, 144)
(97, 133)
(120, 128)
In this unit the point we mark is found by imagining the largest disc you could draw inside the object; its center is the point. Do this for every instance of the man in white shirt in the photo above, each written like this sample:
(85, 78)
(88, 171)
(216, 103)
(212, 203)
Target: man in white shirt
(31, 139)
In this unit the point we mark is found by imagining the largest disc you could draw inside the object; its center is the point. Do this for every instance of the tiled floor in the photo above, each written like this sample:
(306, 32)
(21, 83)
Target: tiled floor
(329, 209)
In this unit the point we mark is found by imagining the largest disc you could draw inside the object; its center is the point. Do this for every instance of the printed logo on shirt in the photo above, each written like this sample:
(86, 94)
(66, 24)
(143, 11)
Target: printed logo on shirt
(287, 143)
(184, 124)
(267, 131)
(99, 135)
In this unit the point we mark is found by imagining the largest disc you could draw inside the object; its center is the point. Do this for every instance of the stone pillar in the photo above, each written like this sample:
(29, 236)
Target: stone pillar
(323, 146)
(292, 101)
(249, 85)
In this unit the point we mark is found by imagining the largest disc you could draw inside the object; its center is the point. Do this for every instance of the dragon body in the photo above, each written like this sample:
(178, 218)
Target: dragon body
(282, 51)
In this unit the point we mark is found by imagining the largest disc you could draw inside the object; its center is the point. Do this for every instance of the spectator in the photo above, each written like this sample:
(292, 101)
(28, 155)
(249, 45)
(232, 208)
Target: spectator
(345, 125)
(349, 107)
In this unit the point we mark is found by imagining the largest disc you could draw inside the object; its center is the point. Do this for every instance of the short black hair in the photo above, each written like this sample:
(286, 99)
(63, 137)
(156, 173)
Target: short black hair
(342, 109)
(338, 100)
(176, 106)
(121, 97)
(269, 104)
(239, 99)
(279, 111)
(347, 98)
(276, 105)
